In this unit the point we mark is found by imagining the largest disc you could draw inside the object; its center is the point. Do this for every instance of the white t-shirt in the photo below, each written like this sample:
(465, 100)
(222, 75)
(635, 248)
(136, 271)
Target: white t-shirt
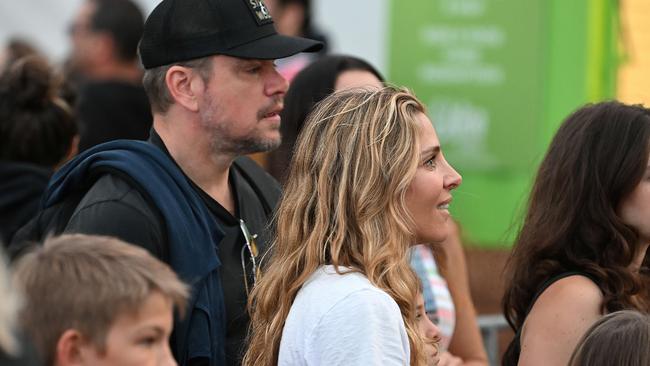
(343, 320)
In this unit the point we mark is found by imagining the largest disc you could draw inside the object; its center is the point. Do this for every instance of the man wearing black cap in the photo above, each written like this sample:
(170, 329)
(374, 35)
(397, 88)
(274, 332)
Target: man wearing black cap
(187, 195)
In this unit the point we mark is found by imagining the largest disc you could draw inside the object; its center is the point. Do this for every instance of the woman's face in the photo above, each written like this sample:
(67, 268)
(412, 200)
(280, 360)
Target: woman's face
(635, 208)
(356, 79)
(429, 193)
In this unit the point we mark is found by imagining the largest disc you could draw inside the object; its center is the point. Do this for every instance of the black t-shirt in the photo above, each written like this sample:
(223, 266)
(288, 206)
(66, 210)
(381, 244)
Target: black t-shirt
(231, 251)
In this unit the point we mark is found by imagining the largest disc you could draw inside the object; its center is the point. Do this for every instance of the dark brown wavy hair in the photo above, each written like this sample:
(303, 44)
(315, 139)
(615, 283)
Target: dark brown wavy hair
(596, 159)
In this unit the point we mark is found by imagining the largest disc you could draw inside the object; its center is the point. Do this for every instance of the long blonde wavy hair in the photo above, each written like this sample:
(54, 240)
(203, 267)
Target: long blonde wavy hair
(344, 205)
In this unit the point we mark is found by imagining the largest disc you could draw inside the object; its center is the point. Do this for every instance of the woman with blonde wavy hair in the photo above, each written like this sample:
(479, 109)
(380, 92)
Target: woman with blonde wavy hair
(367, 182)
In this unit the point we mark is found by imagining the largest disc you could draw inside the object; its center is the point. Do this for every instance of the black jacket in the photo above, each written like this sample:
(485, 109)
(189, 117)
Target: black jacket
(113, 205)
(21, 187)
(192, 235)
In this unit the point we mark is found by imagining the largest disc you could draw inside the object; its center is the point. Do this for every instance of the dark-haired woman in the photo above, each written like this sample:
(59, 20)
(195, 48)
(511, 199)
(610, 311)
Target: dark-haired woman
(585, 234)
(309, 87)
(37, 134)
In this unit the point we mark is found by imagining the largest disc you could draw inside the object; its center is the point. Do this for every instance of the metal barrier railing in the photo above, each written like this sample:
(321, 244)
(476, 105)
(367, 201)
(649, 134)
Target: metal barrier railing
(490, 326)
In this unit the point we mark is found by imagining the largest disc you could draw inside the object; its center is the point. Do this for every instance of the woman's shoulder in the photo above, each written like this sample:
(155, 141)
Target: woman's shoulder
(567, 286)
(326, 288)
(568, 297)
(330, 310)
(364, 326)
(559, 317)
(576, 288)
(341, 288)
(330, 302)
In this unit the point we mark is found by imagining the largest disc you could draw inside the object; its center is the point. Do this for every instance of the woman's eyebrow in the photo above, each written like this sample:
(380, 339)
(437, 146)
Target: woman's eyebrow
(430, 151)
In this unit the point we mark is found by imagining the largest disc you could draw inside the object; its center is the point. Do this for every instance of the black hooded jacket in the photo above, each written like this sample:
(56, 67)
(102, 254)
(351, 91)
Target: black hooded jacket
(21, 187)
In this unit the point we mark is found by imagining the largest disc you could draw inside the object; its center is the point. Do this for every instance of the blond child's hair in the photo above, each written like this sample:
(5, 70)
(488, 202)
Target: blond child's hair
(85, 282)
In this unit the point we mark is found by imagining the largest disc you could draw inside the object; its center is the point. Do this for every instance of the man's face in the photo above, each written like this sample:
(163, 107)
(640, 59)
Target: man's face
(84, 39)
(241, 104)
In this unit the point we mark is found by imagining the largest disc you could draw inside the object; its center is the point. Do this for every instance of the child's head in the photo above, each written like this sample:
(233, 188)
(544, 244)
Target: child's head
(429, 332)
(92, 300)
(619, 338)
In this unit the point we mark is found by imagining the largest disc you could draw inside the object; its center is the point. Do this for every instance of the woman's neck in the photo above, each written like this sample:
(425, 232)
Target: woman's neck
(639, 257)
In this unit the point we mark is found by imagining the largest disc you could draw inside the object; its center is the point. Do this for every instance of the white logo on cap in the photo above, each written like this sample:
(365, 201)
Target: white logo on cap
(260, 10)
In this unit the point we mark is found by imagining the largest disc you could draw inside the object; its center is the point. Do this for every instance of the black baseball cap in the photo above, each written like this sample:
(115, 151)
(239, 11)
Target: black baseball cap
(182, 30)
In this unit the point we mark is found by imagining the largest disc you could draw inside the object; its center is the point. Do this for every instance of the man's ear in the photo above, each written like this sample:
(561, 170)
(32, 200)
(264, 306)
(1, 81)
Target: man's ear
(69, 349)
(185, 86)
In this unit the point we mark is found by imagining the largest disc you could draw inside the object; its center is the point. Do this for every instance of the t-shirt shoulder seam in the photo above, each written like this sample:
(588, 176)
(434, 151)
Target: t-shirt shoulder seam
(119, 201)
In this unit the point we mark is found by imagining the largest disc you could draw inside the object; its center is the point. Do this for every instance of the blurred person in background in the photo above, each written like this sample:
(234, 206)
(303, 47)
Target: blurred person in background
(106, 73)
(293, 18)
(37, 134)
(16, 49)
(579, 252)
(447, 298)
(448, 301)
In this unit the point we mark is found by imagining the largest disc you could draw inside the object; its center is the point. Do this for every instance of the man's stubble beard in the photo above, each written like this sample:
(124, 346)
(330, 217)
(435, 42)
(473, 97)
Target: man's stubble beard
(221, 140)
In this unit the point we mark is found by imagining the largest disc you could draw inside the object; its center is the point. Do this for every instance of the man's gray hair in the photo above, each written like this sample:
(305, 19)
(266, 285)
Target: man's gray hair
(156, 87)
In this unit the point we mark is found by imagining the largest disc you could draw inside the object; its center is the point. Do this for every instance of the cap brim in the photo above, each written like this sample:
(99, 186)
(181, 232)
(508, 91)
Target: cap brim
(273, 47)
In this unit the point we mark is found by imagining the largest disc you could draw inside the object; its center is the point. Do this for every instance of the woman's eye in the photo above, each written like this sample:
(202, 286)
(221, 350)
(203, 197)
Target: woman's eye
(431, 163)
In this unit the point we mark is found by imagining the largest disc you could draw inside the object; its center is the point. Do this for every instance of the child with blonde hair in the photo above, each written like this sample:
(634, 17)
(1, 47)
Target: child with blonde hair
(92, 300)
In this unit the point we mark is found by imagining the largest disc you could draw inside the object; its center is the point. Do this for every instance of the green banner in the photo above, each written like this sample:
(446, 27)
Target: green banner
(477, 66)
(498, 77)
